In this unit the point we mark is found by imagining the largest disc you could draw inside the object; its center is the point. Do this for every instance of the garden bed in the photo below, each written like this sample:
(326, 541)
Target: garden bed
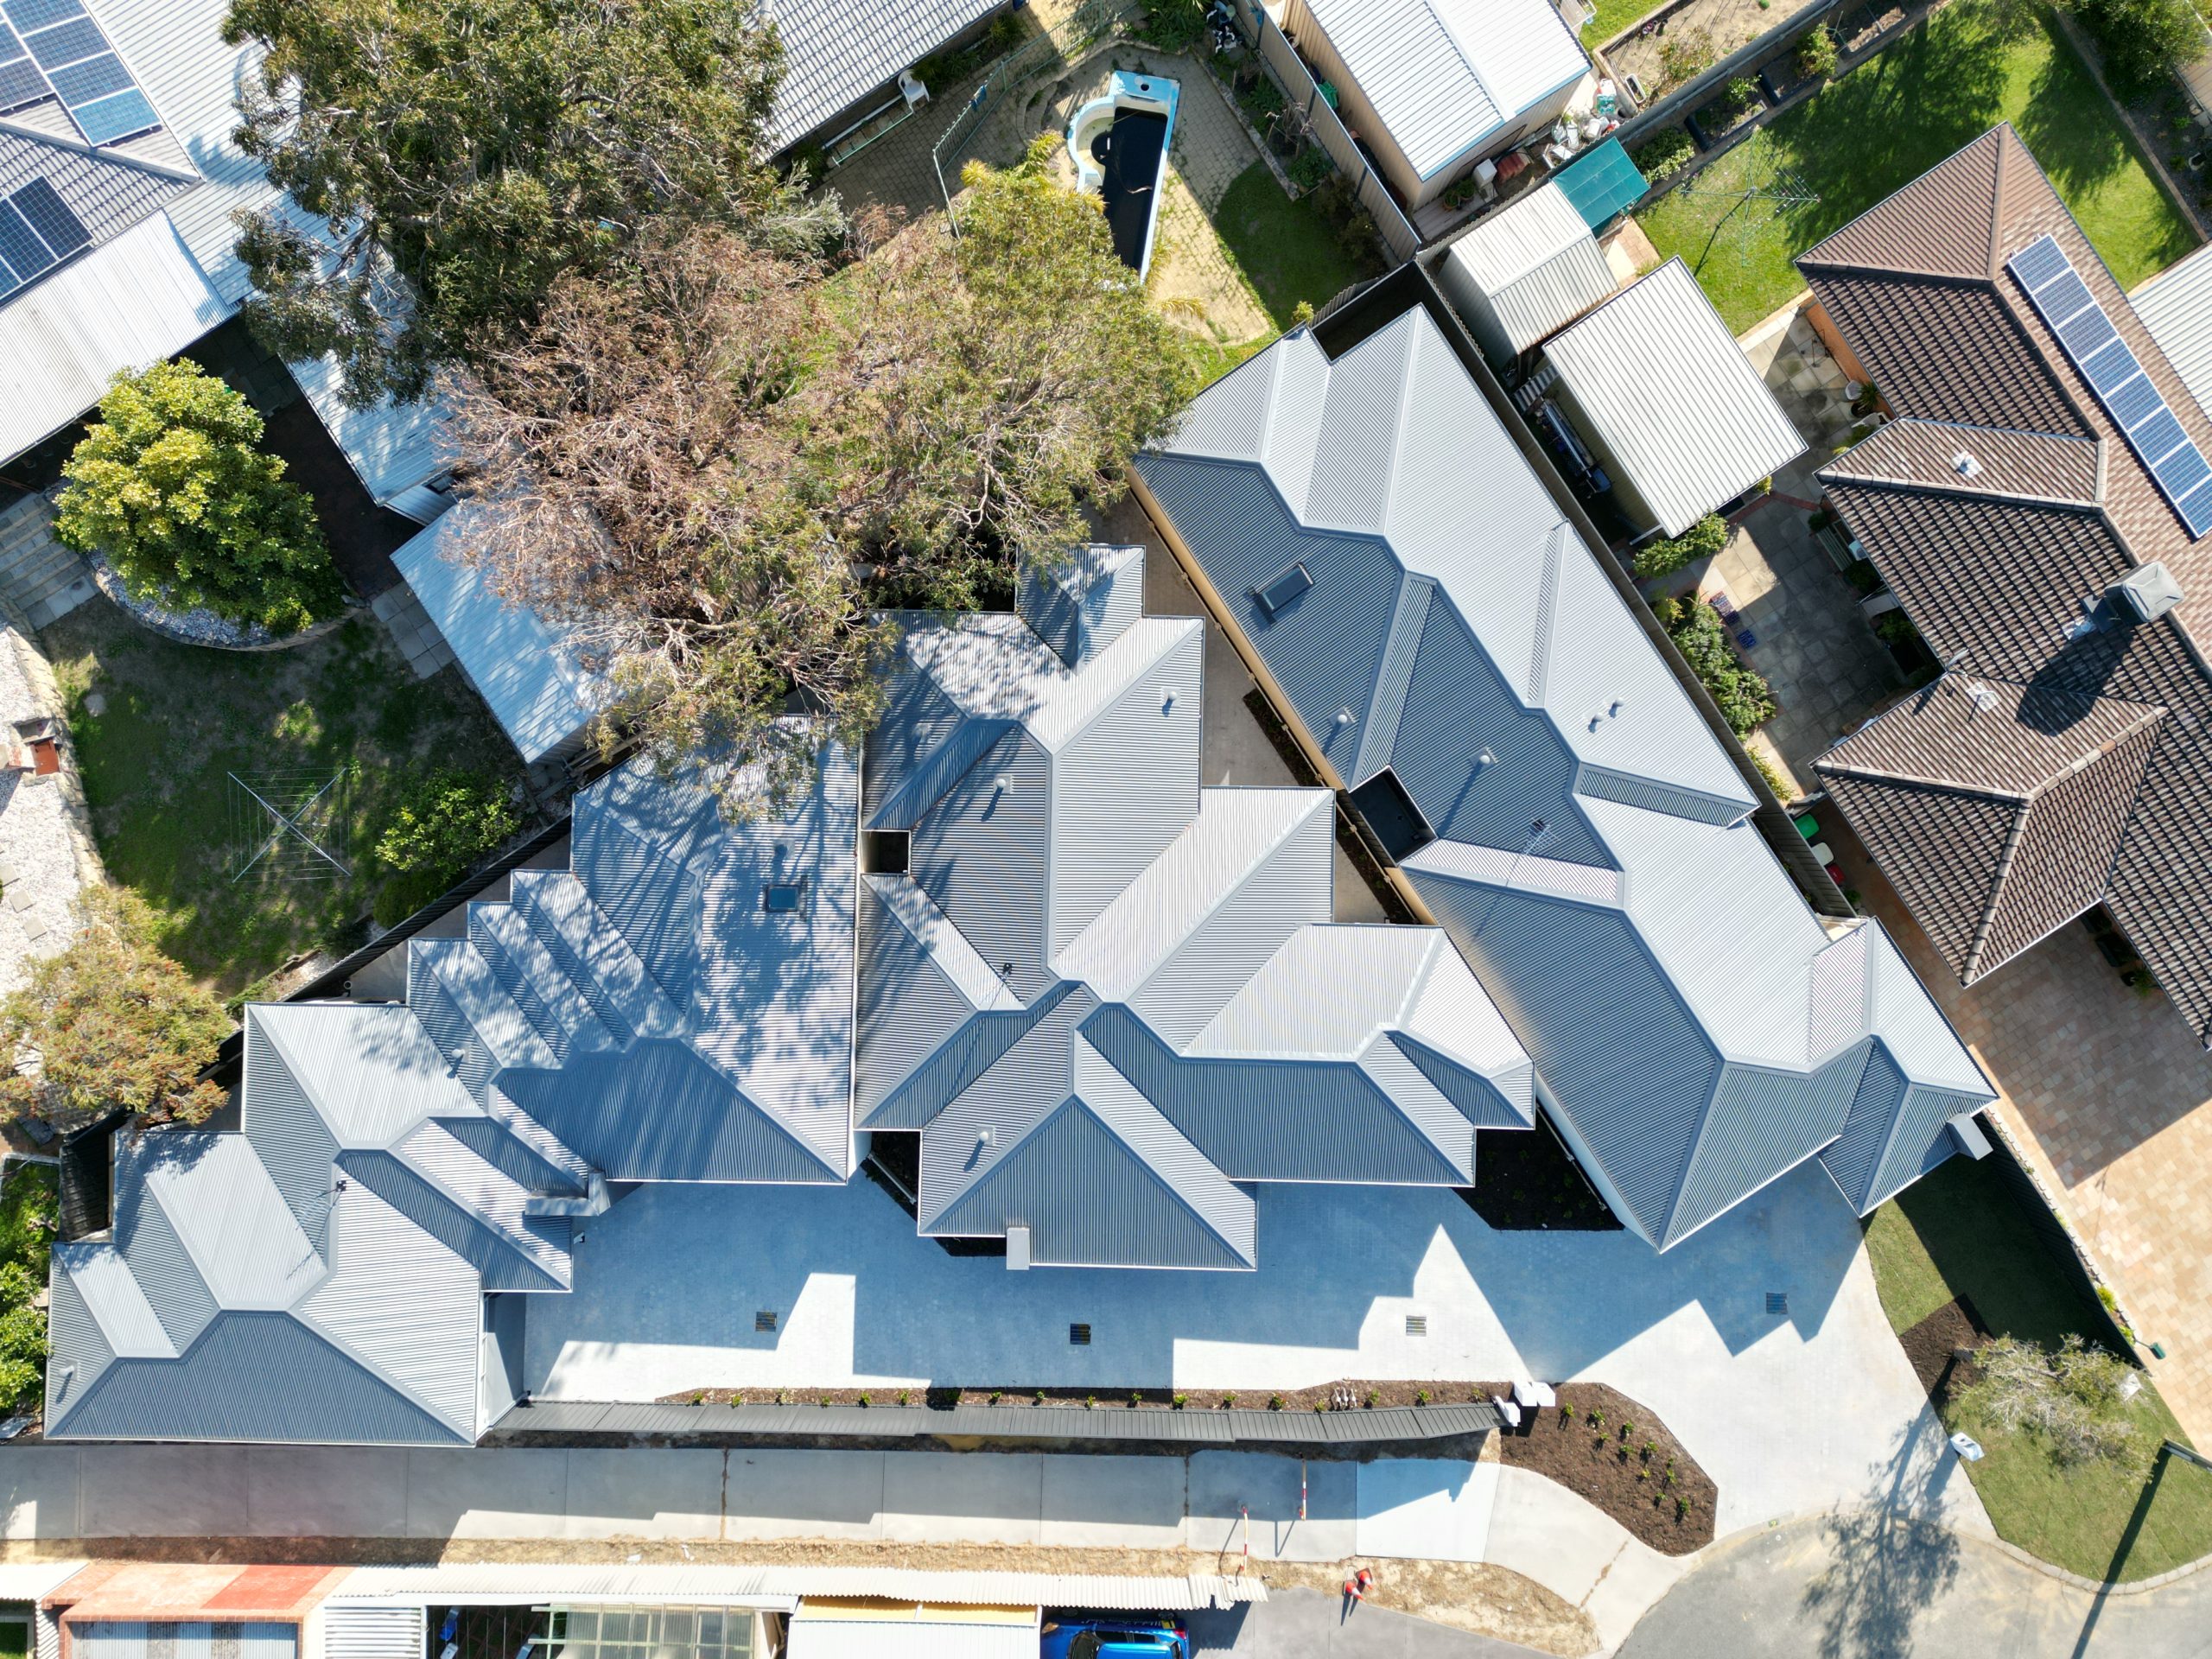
(1605, 1447)
(1932, 1345)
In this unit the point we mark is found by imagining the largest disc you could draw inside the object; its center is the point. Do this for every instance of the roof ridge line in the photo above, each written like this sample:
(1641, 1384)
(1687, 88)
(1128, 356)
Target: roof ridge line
(2019, 498)
(1077, 1099)
(72, 147)
(2150, 715)
(1880, 775)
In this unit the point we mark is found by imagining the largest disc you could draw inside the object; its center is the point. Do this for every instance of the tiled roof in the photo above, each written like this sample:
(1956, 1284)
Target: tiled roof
(2009, 573)
(1999, 807)
(1106, 996)
(320, 1274)
(1697, 1028)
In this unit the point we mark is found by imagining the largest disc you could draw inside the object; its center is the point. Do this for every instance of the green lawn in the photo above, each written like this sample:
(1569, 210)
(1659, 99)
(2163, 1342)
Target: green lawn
(1614, 15)
(1959, 1232)
(1890, 120)
(1287, 249)
(177, 719)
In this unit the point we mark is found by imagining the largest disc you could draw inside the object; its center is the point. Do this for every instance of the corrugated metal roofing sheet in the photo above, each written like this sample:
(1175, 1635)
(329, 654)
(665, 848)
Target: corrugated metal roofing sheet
(1443, 75)
(1525, 271)
(837, 51)
(1685, 455)
(542, 695)
(1594, 866)
(2176, 306)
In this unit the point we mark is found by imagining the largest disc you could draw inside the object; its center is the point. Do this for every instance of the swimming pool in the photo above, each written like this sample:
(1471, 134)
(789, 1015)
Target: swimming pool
(1119, 144)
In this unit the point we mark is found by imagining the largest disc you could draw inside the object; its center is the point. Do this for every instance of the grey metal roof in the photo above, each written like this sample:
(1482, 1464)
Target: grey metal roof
(1673, 396)
(537, 686)
(319, 1274)
(1696, 1027)
(836, 52)
(1094, 988)
(1520, 273)
(1444, 75)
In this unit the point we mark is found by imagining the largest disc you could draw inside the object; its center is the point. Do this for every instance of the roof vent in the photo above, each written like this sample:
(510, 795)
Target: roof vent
(1965, 465)
(2147, 593)
(1981, 696)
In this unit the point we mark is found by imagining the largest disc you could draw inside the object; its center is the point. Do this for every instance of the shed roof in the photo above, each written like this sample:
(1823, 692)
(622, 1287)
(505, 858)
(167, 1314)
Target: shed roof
(1673, 396)
(1444, 75)
(537, 688)
(1699, 1028)
(2176, 306)
(1093, 990)
(836, 52)
(1535, 264)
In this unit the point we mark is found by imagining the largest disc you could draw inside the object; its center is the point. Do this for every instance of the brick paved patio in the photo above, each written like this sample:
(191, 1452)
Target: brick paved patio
(2109, 1095)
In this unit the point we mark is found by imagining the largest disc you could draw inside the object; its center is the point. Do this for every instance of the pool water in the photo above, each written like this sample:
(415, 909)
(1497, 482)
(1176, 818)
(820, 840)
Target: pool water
(1128, 153)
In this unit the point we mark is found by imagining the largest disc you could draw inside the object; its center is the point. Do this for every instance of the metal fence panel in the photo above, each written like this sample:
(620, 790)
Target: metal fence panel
(1330, 133)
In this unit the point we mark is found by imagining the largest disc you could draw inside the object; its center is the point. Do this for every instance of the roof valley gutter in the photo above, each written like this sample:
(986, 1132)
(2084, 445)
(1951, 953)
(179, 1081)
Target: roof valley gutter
(1385, 300)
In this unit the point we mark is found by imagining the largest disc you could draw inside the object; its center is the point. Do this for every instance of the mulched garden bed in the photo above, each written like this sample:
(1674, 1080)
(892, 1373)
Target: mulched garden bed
(1602, 1446)
(1346, 1394)
(1928, 1346)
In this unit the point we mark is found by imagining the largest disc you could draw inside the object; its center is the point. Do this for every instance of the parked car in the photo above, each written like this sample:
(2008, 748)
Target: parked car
(1115, 1635)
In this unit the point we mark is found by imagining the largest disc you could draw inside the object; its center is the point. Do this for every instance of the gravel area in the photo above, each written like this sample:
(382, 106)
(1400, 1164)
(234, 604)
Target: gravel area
(198, 626)
(47, 855)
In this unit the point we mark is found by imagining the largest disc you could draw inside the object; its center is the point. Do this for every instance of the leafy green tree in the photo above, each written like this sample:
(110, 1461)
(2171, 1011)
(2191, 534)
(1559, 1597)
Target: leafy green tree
(1665, 555)
(715, 469)
(1746, 700)
(2143, 41)
(170, 486)
(478, 149)
(112, 1022)
(438, 830)
(22, 1335)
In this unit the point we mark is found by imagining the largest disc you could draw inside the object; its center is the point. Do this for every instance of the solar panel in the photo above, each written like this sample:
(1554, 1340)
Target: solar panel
(19, 245)
(57, 227)
(55, 47)
(2118, 377)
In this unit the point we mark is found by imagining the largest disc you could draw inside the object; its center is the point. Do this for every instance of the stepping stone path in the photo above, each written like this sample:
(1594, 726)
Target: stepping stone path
(40, 578)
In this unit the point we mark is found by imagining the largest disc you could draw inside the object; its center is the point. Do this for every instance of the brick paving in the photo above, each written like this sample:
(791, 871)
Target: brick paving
(2107, 1093)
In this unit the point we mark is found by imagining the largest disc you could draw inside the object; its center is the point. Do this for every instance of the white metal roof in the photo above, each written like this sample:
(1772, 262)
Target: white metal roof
(35, 1580)
(1443, 75)
(2176, 306)
(1673, 396)
(536, 689)
(490, 1583)
(1534, 265)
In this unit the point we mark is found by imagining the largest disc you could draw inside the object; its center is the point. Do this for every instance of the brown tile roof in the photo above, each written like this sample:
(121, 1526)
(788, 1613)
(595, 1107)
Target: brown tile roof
(2007, 576)
(2000, 808)
(2023, 466)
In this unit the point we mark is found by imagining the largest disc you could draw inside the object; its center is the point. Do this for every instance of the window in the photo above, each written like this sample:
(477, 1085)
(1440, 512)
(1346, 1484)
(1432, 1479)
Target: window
(1283, 587)
(1078, 1336)
(1416, 1324)
(783, 898)
(651, 1633)
(764, 1320)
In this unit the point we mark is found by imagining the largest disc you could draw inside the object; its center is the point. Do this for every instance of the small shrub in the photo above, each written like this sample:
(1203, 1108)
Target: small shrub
(1174, 25)
(782, 1399)
(1661, 154)
(1595, 1419)
(1565, 1411)
(1309, 168)
(1746, 700)
(1261, 100)
(1372, 1397)
(1681, 1507)
(1646, 1450)
(1181, 1400)
(996, 1396)
(1739, 95)
(1135, 1399)
(1040, 1399)
(700, 1398)
(1420, 1396)
(1628, 1428)
(864, 1400)
(1816, 54)
(1228, 1401)
(1686, 56)
(1644, 1474)
(438, 829)
(1090, 1402)
(1665, 555)
(1274, 1402)
(905, 1398)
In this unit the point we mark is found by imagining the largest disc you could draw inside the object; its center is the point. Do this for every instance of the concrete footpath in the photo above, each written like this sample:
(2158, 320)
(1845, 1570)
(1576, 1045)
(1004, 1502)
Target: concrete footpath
(1212, 1500)
(1874, 1587)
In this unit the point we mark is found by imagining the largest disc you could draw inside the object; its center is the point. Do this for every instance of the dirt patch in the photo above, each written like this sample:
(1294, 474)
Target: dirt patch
(1191, 282)
(1930, 1346)
(1474, 1597)
(1602, 1446)
(1346, 1394)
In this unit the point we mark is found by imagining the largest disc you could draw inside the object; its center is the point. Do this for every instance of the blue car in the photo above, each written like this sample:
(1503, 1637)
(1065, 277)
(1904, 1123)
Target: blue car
(1115, 1635)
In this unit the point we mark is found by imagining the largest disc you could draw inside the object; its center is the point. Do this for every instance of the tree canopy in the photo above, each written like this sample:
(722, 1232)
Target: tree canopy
(112, 1023)
(479, 149)
(716, 467)
(171, 486)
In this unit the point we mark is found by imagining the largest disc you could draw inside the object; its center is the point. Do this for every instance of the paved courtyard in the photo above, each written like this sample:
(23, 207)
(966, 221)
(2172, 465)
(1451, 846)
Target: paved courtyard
(2109, 1096)
(1789, 1413)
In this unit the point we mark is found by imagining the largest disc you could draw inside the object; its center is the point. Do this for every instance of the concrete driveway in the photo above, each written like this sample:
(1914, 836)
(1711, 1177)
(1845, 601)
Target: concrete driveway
(1307, 1624)
(1870, 1586)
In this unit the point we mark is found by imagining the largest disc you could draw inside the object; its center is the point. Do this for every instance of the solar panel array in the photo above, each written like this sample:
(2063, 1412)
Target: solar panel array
(52, 48)
(37, 232)
(2116, 375)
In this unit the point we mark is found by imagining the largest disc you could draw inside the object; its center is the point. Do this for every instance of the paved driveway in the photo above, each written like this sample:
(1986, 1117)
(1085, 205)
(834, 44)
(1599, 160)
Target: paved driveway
(2107, 1093)
(1789, 1413)
(1872, 1587)
(1307, 1624)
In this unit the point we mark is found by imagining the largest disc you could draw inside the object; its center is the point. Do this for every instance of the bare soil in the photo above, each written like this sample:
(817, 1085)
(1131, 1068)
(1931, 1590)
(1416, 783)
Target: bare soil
(1929, 1345)
(1475, 1597)
(1602, 1446)
(1345, 1393)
